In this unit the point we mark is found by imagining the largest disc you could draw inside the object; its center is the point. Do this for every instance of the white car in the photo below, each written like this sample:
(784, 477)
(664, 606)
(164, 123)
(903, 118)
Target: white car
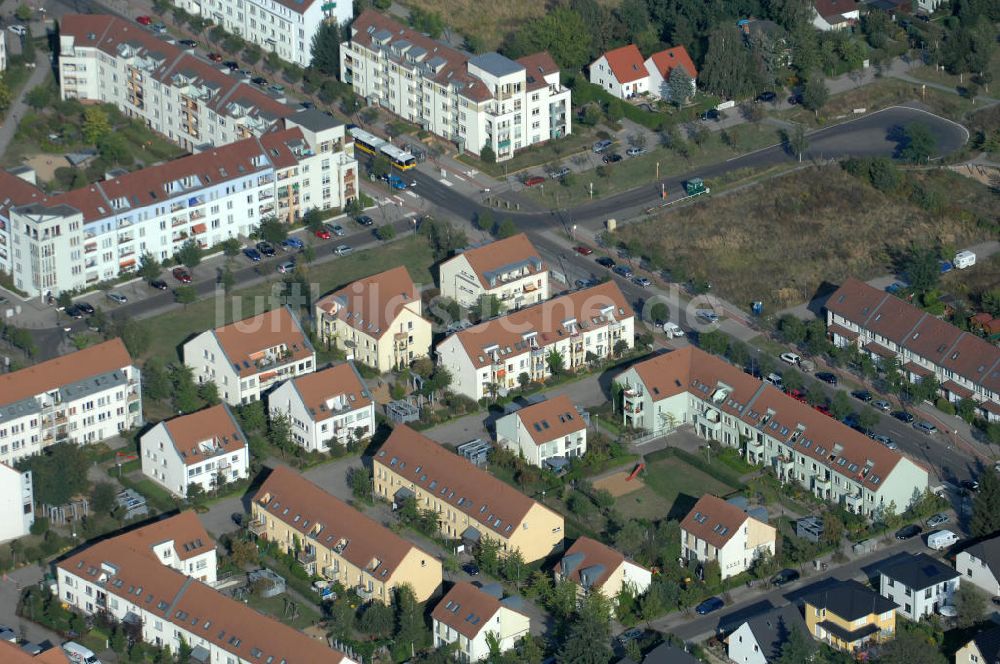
(790, 358)
(18, 30)
(937, 520)
(707, 315)
(673, 330)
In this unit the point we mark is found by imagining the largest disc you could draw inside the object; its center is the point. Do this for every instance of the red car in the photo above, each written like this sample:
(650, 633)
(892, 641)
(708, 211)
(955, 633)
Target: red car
(534, 180)
(798, 395)
(824, 409)
(181, 275)
(144, 20)
(323, 234)
(585, 251)
(215, 57)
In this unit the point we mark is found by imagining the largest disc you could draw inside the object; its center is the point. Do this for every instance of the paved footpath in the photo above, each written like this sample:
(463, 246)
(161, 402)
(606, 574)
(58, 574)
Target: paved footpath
(18, 108)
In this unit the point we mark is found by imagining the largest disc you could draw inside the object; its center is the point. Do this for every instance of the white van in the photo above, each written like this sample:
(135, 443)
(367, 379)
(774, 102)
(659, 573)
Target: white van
(79, 654)
(941, 540)
(673, 330)
(964, 259)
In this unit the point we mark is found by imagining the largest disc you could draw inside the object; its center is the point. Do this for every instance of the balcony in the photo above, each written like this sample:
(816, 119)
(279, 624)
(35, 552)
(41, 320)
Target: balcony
(364, 593)
(257, 527)
(178, 221)
(822, 483)
(306, 557)
(332, 572)
(197, 214)
(178, 206)
(125, 238)
(854, 503)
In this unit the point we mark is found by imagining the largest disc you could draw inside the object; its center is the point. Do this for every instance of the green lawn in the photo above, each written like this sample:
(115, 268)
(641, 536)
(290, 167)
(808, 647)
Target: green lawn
(680, 485)
(579, 142)
(634, 171)
(170, 330)
(275, 607)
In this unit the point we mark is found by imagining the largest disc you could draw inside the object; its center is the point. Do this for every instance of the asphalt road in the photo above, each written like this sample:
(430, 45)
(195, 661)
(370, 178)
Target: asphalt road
(866, 136)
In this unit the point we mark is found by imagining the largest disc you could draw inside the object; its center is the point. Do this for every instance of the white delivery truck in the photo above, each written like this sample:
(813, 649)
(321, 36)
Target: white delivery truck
(79, 654)
(941, 540)
(964, 259)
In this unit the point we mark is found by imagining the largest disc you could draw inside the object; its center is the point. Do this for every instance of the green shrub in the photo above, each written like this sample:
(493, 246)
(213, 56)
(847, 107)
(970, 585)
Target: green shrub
(945, 406)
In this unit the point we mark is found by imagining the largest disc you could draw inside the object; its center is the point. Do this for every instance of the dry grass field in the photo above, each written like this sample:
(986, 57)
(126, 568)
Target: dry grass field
(780, 240)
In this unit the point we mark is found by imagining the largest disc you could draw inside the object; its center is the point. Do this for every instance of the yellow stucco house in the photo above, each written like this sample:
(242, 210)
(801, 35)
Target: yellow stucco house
(377, 320)
(849, 616)
(471, 503)
(334, 540)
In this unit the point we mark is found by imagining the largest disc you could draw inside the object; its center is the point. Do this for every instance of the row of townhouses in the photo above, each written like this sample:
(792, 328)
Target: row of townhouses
(579, 327)
(473, 101)
(333, 540)
(160, 578)
(83, 397)
(886, 327)
(724, 404)
(285, 27)
(79, 238)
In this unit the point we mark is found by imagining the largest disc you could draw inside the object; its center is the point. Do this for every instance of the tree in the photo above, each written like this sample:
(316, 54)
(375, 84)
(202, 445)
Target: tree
(39, 97)
(729, 70)
(970, 603)
(135, 335)
(615, 111)
(271, 230)
(95, 124)
(909, 647)
(185, 390)
(410, 629)
(487, 306)
(797, 141)
(5, 95)
(868, 417)
(59, 472)
(659, 313)
(506, 229)
(185, 295)
(555, 362)
(209, 393)
(620, 348)
(488, 155)
(190, 254)
(385, 232)
(797, 648)
(227, 279)
(195, 493)
(918, 143)
(922, 270)
(815, 94)
(326, 49)
(589, 634)
(279, 431)
(679, 85)
(102, 497)
(792, 329)
(155, 380)
(149, 267)
(360, 481)
(113, 149)
(381, 166)
(840, 406)
(560, 32)
(986, 505)
(23, 13)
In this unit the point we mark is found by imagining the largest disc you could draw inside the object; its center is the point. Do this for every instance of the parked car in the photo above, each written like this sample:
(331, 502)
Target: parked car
(623, 271)
(117, 298)
(827, 377)
(862, 395)
(342, 250)
(630, 635)
(941, 540)
(795, 100)
(365, 220)
(73, 311)
(673, 330)
(159, 284)
(85, 307)
(560, 173)
(601, 146)
(882, 405)
(707, 315)
(970, 486)
(265, 248)
(786, 575)
(231, 65)
(924, 426)
(275, 87)
(613, 158)
(903, 416)
(885, 440)
(775, 379)
(533, 181)
(144, 20)
(766, 97)
(181, 274)
(323, 234)
(396, 182)
(290, 243)
(710, 114)
(586, 283)
(908, 532)
(159, 28)
(286, 266)
(642, 282)
(582, 250)
(259, 81)
(790, 358)
(18, 30)
(471, 569)
(938, 520)
(607, 262)
(709, 605)
(336, 229)
(635, 152)
(215, 57)
(190, 43)
(252, 254)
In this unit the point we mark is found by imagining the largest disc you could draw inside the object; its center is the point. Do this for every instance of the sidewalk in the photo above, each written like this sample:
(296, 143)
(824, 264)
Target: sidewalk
(18, 108)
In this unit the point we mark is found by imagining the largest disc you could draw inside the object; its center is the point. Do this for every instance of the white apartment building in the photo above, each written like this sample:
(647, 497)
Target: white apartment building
(919, 584)
(188, 99)
(884, 326)
(327, 408)
(511, 269)
(84, 397)
(724, 404)
(466, 614)
(546, 434)
(582, 326)
(247, 358)
(596, 567)
(17, 503)
(131, 582)
(980, 565)
(285, 27)
(717, 530)
(77, 239)
(473, 101)
(206, 448)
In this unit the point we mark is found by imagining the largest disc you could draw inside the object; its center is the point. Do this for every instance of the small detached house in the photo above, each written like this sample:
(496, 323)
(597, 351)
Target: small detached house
(467, 614)
(665, 653)
(660, 65)
(595, 566)
(835, 14)
(759, 639)
(717, 530)
(849, 616)
(548, 433)
(326, 408)
(206, 448)
(980, 565)
(984, 648)
(621, 72)
(919, 584)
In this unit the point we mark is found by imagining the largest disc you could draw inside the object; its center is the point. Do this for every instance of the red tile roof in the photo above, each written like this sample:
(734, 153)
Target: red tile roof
(91, 362)
(214, 425)
(714, 520)
(244, 342)
(551, 419)
(467, 609)
(184, 529)
(537, 67)
(11, 653)
(666, 60)
(372, 304)
(341, 380)
(501, 256)
(587, 554)
(626, 64)
(833, 9)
